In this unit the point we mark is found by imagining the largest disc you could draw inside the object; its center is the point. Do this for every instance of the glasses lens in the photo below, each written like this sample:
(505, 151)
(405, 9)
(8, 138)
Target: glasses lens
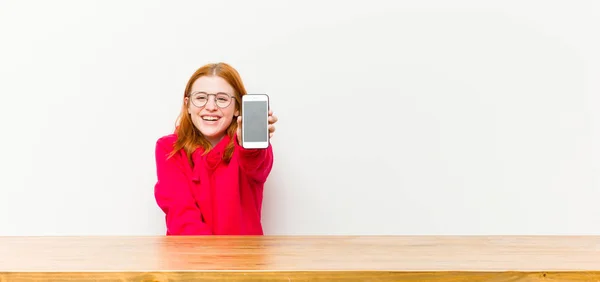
(223, 100)
(199, 99)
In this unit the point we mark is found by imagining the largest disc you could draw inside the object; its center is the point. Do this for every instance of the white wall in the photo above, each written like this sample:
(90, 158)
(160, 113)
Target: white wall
(396, 117)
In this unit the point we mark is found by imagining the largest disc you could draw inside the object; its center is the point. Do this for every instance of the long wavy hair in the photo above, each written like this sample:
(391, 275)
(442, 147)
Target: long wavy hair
(189, 138)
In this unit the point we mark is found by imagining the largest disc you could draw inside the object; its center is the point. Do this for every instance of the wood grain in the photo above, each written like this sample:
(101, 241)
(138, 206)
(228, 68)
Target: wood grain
(297, 258)
(302, 276)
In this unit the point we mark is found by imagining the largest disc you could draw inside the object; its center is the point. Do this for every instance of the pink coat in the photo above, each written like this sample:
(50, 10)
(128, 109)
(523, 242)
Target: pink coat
(213, 197)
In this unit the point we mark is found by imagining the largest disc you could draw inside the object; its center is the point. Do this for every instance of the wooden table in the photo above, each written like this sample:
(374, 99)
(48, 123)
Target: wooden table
(322, 258)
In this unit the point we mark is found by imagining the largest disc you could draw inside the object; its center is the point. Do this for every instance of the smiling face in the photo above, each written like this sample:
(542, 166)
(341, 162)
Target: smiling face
(213, 118)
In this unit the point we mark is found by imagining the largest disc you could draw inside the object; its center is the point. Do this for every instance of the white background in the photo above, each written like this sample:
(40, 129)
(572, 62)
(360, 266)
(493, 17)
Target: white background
(396, 117)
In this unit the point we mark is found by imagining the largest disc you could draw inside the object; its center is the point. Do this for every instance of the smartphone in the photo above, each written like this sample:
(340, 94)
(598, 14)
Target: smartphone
(255, 121)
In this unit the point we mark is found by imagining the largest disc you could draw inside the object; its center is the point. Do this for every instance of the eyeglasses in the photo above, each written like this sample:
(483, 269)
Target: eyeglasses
(199, 99)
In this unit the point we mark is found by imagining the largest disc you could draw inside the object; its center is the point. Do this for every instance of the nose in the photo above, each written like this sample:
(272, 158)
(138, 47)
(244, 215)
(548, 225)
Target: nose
(211, 104)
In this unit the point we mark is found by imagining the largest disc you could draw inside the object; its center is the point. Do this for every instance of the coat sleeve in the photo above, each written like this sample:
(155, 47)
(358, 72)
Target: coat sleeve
(173, 196)
(255, 163)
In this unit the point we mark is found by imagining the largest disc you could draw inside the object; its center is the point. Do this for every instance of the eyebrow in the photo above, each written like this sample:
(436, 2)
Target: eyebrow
(204, 92)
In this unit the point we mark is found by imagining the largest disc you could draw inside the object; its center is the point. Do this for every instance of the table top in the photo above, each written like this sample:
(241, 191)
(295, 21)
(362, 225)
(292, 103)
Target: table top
(300, 253)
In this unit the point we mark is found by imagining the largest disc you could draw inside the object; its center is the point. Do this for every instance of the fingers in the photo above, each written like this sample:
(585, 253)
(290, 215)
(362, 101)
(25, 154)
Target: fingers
(273, 119)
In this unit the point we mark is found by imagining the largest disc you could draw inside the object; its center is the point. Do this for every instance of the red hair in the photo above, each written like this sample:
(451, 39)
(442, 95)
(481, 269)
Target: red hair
(189, 137)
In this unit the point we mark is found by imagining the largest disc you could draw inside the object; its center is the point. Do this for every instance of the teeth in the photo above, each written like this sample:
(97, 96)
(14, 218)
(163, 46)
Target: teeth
(210, 118)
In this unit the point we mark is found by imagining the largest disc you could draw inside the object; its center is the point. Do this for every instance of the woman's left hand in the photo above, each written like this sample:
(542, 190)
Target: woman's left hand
(272, 120)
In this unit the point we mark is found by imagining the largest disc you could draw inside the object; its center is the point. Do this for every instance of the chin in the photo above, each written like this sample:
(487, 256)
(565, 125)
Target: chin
(211, 135)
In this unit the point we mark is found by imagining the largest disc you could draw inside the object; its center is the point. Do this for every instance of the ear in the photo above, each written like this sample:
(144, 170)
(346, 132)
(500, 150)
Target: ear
(185, 102)
(236, 113)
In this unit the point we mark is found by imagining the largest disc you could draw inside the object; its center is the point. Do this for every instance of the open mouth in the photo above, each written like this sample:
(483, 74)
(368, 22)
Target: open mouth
(210, 118)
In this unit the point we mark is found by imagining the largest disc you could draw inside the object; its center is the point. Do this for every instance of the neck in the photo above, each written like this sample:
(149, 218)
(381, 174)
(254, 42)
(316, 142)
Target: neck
(215, 141)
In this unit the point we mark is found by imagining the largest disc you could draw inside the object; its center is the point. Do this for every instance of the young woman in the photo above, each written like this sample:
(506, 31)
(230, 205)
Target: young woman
(207, 184)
